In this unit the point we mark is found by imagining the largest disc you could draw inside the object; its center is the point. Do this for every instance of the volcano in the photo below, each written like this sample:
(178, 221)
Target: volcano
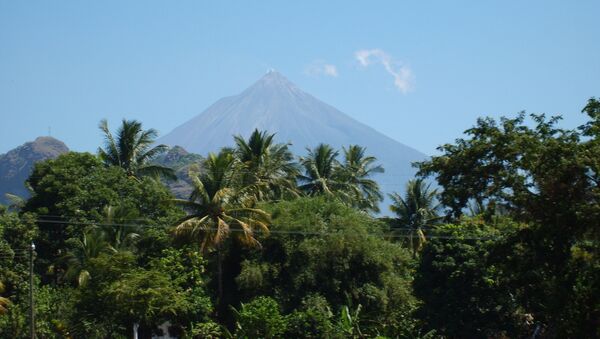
(278, 106)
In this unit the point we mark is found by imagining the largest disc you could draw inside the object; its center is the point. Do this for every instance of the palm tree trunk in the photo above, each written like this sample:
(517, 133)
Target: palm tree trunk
(412, 244)
(220, 273)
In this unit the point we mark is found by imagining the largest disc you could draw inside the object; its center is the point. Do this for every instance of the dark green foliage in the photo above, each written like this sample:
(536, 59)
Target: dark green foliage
(260, 318)
(460, 289)
(121, 294)
(76, 188)
(343, 258)
(206, 330)
(312, 319)
(113, 250)
(584, 303)
(53, 307)
(547, 177)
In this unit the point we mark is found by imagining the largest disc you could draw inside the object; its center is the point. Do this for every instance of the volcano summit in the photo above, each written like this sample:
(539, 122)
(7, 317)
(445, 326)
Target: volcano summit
(278, 106)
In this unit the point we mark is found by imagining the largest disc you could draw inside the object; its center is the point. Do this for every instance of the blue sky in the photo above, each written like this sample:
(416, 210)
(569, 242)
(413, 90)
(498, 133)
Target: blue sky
(420, 72)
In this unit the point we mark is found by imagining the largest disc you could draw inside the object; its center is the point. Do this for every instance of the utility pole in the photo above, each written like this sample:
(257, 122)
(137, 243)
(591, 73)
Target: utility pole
(31, 304)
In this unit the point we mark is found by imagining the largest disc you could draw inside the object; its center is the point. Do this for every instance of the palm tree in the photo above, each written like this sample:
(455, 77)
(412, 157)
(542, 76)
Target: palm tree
(119, 227)
(132, 150)
(357, 171)
(216, 210)
(416, 212)
(76, 259)
(266, 166)
(114, 234)
(322, 173)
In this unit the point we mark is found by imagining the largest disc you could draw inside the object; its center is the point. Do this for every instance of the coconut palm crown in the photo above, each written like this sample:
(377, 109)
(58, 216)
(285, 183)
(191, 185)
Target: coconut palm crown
(131, 149)
(321, 172)
(358, 170)
(416, 211)
(216, 208)
(265, 166)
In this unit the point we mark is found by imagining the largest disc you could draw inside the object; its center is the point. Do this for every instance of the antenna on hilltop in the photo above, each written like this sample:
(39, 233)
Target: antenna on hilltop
(270, 70)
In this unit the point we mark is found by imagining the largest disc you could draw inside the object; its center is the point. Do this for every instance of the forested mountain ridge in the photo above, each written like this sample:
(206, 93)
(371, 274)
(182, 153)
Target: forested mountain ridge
(180, 160)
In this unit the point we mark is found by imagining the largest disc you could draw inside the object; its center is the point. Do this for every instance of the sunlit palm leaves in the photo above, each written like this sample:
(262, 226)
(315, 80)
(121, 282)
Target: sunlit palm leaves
(321, 172)
(266, 168)
(358, 170)
(216, 209)
(132, 150)
(350, 181)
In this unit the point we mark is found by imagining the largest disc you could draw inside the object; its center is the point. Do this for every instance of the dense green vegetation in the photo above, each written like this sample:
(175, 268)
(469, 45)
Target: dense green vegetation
(504, 243)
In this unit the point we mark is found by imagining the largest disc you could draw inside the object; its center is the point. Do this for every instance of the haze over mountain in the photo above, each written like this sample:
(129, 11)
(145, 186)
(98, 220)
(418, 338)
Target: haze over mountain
(16, 164)
(277, 105)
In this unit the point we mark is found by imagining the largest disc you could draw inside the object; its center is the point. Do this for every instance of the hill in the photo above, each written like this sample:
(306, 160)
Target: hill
(16, 164)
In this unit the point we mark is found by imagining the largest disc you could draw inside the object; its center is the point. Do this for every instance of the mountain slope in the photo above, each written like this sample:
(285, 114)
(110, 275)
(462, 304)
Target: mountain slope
(180, 161)
(16, 165)
(275, 104)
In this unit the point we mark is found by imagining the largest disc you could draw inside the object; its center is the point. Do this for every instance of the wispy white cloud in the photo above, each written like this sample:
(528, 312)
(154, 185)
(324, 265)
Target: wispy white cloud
(320, 67)
(403, 76)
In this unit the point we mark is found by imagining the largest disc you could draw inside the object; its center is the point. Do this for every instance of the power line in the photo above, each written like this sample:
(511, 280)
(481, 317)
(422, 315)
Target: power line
(388, 234)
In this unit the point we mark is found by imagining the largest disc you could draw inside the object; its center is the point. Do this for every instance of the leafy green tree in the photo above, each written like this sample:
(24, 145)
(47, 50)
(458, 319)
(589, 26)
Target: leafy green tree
(312, 319)
(132, 150)
(358, 169)
(543, 175)
(416, 212)
(16, 234)
(72, 192)
(266, 167)
(215, 210)
(260, 318)
(145, 296)
(53, 308)
(121, 293)
(461, 291)
(325, 248)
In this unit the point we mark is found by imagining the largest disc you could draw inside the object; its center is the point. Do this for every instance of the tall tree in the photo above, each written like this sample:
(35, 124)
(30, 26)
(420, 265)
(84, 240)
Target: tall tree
(547, 177)
(321, 172)
(416, 211)
(358, 168)
(132, 149)
(216, 210)
(265, 166)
